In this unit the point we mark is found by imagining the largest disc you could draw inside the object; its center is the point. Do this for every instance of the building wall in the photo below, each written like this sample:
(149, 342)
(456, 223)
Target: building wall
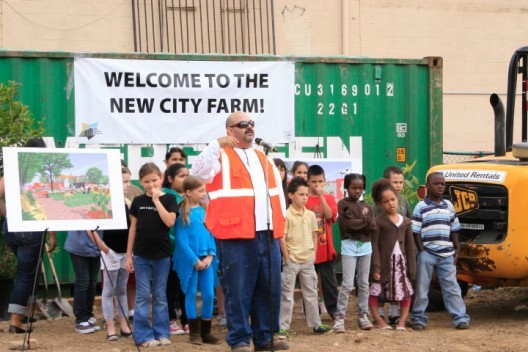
(476, 38)
(69, 25)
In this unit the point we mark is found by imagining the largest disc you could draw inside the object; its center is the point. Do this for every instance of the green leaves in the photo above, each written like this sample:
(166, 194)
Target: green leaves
(411, 184)
(17, 125)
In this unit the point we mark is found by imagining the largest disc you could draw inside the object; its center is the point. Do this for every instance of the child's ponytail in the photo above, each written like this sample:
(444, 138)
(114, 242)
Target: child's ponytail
(189, 183)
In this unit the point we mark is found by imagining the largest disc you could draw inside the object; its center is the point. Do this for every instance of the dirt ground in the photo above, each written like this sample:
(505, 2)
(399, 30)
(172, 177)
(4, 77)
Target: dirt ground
(499, 322)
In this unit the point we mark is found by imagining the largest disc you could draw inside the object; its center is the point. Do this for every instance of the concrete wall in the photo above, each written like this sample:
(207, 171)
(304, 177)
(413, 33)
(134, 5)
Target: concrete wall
(476, 38)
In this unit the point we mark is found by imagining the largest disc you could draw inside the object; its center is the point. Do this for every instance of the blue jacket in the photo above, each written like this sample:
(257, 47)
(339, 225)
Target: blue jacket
(80, 244)
(193, 241)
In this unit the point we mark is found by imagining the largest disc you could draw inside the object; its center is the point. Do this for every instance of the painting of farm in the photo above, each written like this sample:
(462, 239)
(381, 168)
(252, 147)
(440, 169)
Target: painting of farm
(64, 186)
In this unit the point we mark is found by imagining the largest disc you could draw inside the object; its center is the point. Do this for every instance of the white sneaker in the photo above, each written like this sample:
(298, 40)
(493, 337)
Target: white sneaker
(93, 323)
(339, 324)
(175, 328)
(164, 341)
(150, 343)
(84, 328)
(364, 322)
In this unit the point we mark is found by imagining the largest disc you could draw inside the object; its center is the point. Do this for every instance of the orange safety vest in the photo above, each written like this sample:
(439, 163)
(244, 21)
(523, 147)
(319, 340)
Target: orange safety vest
(231, 209)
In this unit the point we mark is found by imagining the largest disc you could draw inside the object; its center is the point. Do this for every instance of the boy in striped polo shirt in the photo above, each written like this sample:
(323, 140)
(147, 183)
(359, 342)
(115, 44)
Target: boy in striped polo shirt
(435, 224)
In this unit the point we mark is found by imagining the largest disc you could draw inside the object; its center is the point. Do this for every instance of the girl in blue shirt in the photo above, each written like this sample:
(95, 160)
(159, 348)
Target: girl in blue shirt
(194, 260)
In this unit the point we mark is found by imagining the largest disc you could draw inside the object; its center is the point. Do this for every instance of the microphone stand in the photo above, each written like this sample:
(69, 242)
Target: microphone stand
(270, 235)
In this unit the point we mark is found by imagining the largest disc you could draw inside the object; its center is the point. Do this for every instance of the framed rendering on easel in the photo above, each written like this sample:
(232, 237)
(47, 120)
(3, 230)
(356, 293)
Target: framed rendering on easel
(63, 189)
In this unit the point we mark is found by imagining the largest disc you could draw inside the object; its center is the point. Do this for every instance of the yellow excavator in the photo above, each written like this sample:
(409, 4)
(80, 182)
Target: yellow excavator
(490, 195)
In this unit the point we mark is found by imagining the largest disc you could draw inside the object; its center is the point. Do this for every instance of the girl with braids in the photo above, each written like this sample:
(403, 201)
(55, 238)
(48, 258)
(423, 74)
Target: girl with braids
(195, 260)
(356, 226)
(393, 263)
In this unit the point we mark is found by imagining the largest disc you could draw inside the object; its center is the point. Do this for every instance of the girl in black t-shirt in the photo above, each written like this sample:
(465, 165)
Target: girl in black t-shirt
(148, 254)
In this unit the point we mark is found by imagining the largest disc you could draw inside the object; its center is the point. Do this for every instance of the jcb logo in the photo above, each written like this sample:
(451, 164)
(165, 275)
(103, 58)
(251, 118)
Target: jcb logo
(464, 200)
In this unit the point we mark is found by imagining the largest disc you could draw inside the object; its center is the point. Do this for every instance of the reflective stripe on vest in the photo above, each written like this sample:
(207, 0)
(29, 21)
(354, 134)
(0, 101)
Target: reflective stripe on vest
(227, 191)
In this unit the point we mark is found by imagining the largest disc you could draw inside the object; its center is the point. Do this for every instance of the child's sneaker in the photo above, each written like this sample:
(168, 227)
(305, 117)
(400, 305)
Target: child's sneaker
(84, 328)
(221, 319)
(322, 307)
(282, 334)
(93, 323)
(186, 328)
(364, 322)
(339, 324)
(150, 343)
(321, 329)
(164, 341)
(175, 328)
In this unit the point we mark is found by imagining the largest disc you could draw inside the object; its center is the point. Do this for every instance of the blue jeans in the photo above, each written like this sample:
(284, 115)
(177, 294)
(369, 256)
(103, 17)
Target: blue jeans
(245, 284)
(86, 271)
(204, 279)
(158, 271)
(426, 263)
(26, 246)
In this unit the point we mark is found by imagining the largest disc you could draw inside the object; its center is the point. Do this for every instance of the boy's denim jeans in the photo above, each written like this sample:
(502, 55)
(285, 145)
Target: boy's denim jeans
(86, 271)
(245, 283)
(158, 271)
(426, 263)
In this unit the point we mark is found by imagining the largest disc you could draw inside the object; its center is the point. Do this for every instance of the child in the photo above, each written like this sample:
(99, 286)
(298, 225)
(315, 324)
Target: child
(298, 253)
(84, 255)
(281, 166)
(394, 175)
(173, 184)
(356, 226)
(175, 155)
(434, 227)
(300, 169)
(393, 256)
(325, 208)
(151, 217)
(115, 276)
(193, 260)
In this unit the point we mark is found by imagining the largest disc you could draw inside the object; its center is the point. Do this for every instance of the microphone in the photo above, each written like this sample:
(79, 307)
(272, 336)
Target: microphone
(265, 145)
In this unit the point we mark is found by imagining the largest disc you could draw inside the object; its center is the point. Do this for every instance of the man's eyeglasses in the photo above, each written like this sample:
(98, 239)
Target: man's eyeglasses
(244, 124)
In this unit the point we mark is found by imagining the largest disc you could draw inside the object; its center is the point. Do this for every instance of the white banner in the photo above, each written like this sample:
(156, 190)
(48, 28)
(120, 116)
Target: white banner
(148, 101)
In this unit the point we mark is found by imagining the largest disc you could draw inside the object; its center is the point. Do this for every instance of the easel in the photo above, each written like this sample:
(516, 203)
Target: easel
(29, 326)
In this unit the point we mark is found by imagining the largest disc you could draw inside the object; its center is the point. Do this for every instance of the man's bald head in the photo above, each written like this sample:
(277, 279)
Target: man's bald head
(236, 117)
(244, 135)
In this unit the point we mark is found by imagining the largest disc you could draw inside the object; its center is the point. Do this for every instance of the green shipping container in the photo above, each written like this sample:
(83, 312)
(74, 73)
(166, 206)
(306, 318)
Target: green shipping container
(387, 111)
